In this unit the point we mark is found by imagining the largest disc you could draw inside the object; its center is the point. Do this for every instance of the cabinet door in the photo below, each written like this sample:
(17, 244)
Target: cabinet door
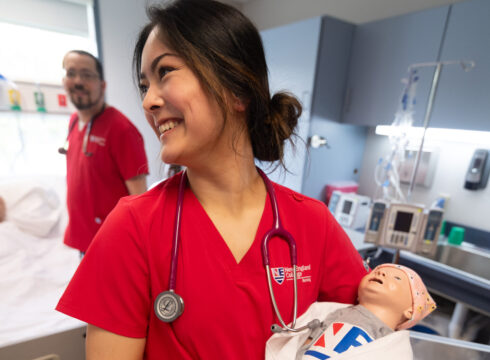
(381, 54)
(463, 98)
(291, 53)
(332, 68)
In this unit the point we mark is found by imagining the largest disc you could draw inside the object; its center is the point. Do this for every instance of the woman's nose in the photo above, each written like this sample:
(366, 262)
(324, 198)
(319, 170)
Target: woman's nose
(152, 101)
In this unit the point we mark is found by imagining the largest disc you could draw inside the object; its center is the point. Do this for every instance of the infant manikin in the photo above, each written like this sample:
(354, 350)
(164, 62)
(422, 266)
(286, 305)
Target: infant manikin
(391, 297)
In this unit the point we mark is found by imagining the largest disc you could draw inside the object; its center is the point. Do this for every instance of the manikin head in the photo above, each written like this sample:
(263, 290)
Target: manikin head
(395, 294)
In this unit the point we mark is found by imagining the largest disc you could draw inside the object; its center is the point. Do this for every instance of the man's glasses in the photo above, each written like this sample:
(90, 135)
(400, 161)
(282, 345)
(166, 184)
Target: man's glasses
(84, 75)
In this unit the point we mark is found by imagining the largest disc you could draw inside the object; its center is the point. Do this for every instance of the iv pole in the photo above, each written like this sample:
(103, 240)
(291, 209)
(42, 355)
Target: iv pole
(467, 66)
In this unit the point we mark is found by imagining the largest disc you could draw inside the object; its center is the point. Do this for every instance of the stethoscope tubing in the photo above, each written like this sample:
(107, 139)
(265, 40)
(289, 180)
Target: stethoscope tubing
(177, 221)
(276, 231)
(279, 231)
(64, 150)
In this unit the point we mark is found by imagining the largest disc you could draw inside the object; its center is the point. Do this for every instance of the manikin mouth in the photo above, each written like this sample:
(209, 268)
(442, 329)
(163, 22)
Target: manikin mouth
(377, 280)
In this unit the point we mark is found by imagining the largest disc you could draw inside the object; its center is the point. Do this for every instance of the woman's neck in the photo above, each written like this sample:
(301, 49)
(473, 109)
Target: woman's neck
(232, 187)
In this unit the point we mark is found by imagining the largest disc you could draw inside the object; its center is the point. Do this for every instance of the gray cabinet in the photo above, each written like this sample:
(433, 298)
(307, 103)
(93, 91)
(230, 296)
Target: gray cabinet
(463, 98)
(291, 53)
(309, 59)
(381, 54)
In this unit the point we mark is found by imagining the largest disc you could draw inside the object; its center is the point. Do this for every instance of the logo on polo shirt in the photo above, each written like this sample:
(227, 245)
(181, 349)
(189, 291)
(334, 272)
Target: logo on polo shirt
(303, 273)
(278, 274)
(97, 139)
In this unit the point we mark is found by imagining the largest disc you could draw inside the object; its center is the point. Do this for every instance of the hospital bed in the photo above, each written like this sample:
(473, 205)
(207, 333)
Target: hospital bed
(35, 267)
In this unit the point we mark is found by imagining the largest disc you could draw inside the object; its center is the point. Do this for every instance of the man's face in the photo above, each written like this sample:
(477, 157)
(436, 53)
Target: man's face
(82, 81)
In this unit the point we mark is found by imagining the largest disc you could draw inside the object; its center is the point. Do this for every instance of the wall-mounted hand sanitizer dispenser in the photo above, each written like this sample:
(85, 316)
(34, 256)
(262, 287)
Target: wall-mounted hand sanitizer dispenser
(477, 174)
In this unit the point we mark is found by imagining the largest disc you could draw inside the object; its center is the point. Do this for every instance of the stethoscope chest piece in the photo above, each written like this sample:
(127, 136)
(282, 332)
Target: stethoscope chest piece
(168, 306)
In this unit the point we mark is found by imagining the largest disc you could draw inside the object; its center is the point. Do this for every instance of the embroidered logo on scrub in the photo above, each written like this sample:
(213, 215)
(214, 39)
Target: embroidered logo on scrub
(338, 337)
(97, 139)
(303, 273)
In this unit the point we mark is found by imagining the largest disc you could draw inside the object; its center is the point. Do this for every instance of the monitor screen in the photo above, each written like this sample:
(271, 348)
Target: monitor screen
(403, 221)
(347, 207)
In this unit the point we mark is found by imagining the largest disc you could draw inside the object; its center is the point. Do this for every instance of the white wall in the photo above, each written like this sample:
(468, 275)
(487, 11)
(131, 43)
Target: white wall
(271, 13)
(119, 27)
(466, 207)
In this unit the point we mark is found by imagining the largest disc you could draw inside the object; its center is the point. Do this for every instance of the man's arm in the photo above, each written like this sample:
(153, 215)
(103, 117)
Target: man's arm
(136, 185)
(104, 345)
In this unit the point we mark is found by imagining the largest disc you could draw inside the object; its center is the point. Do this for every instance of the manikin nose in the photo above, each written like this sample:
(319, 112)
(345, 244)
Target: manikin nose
(380, 272)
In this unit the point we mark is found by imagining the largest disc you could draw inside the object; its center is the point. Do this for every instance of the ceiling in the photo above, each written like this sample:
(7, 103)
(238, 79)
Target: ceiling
(271, 13)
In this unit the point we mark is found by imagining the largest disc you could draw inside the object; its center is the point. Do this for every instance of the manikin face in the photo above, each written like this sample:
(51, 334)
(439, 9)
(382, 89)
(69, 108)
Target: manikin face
(82, 82)
(187, 120)
(386, 286)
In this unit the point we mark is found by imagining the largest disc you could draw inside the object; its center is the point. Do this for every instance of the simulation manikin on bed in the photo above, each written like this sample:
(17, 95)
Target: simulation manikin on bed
(392, 297)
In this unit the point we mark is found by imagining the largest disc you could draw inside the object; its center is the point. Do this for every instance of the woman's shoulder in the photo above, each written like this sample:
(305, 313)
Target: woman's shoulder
(152, 200)
(302, 201)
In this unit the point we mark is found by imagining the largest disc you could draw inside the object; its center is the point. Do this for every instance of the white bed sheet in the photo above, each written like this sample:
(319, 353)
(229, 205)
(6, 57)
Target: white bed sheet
(33, 275)
(34, 271)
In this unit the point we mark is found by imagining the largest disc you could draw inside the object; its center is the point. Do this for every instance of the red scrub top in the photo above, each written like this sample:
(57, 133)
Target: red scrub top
(95, 183)
(227, 307)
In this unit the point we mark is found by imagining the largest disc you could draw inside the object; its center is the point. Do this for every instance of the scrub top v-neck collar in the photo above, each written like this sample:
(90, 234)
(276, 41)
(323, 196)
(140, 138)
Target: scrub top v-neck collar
(226, 255)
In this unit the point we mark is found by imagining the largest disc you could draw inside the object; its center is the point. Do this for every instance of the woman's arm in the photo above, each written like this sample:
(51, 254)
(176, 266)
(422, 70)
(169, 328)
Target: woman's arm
(105, 345)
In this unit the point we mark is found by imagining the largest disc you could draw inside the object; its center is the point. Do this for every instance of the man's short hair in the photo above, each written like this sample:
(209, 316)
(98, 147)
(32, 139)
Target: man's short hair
(98, 64)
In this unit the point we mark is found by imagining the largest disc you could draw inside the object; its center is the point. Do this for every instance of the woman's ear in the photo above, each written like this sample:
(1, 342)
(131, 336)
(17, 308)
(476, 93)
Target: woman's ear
(239, 105)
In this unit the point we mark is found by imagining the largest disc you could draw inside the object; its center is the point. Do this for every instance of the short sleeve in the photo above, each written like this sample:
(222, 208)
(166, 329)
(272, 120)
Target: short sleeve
(110, 288)
(128, 151)
(344, 267)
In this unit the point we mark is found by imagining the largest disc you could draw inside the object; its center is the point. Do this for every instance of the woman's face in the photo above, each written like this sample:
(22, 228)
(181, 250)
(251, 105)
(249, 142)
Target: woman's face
(187, 120)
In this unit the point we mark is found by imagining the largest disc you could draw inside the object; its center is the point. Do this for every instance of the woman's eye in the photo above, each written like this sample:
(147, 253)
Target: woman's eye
(143, 90)
(164, 70)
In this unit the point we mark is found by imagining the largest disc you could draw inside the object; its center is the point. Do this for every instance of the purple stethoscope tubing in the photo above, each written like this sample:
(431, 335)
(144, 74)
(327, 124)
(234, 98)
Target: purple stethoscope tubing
(277, 231)
(175, 245)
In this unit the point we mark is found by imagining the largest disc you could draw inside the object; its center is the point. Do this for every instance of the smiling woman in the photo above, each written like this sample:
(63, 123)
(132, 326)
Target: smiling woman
(202, 75)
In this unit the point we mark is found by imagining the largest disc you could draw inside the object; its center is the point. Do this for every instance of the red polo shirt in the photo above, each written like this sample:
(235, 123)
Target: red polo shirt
(95, 183)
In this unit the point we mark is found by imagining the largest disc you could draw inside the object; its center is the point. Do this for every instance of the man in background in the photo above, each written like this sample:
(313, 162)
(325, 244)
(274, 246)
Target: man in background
(105, 156)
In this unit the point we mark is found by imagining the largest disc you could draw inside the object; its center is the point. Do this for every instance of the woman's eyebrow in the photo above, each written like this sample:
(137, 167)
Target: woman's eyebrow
(155, 62)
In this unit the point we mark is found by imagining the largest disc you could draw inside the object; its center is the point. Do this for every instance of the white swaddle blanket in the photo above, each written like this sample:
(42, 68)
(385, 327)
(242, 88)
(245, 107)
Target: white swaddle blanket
(283, 346)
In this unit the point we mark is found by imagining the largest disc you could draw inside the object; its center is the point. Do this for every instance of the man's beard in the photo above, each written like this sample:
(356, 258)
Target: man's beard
(80, 104)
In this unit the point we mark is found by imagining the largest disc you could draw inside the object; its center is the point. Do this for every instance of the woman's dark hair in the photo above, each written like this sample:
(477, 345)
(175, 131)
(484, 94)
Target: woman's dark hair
(224, 49)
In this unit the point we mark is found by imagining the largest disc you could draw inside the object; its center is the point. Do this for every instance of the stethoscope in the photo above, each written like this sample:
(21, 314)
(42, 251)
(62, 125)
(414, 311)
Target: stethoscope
(168, 305)
(64, 149)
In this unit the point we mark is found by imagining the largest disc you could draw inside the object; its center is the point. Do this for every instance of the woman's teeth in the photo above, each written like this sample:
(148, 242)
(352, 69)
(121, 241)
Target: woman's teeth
(167, 126)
